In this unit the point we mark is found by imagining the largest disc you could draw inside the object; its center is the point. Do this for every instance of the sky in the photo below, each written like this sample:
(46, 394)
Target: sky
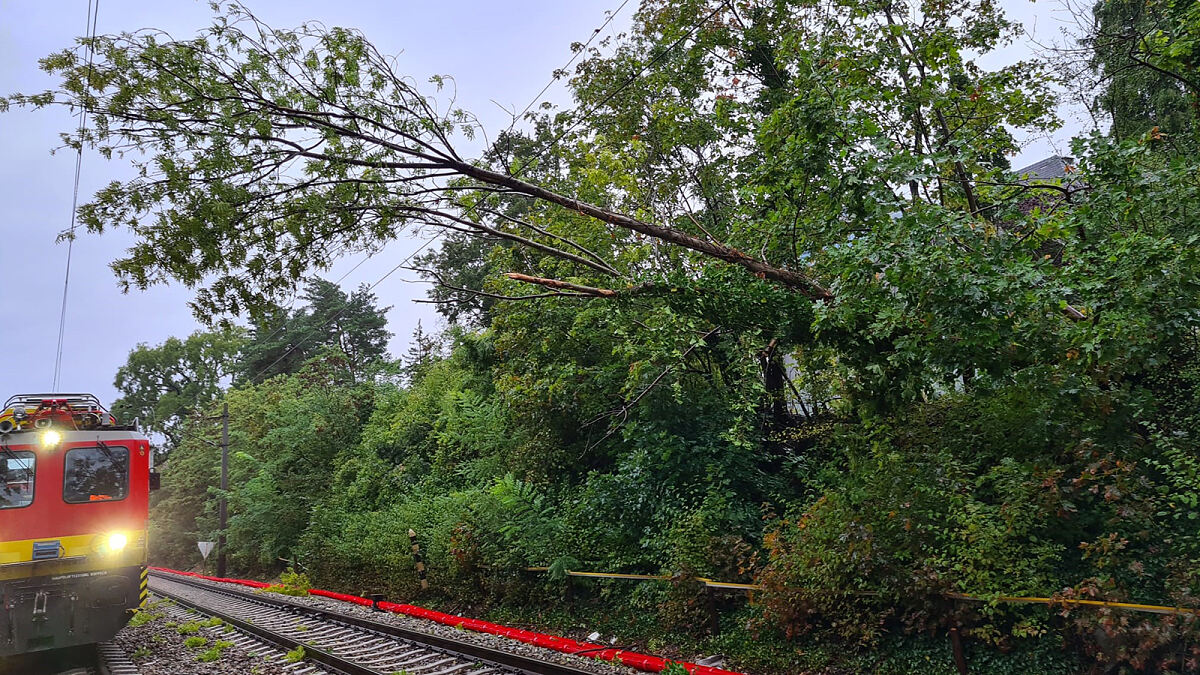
(500, 54)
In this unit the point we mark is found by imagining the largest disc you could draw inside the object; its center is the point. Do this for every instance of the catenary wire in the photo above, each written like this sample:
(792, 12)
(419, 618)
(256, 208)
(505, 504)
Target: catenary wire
(611, 15)
(339, 313)
(633, 78)
(93, 13)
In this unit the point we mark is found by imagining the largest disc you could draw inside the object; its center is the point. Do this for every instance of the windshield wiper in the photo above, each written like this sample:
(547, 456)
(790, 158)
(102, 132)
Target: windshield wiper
(8, 451)
(109, 454)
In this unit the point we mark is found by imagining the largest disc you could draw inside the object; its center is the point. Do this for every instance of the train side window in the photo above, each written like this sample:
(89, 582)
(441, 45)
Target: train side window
(17, 470)
(96, 474)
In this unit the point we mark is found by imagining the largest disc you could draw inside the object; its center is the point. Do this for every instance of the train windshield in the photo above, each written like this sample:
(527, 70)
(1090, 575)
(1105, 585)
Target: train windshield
(96, 474)
(17, 469)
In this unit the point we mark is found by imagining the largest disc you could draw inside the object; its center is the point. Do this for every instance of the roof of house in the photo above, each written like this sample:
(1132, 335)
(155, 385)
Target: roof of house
(1051, 168)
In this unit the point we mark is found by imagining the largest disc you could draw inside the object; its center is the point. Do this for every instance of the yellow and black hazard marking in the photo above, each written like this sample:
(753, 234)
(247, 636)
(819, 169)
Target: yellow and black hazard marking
(143, 587)
(420, 562)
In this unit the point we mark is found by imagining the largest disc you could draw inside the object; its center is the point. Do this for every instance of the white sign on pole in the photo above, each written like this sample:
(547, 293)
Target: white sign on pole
(206, 547)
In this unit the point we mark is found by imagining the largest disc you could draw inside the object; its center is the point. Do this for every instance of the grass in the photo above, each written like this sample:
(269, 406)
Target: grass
(141, 653)
(291, 583)
(214, 652)
(142, 617)
(295, 655)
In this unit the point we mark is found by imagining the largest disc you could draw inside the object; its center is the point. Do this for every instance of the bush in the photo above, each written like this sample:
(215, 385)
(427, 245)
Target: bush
(978, 495)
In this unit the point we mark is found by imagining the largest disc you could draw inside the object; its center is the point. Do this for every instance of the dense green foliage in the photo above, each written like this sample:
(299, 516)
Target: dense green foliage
(1149, 55)
(162, 386)
(774, 307)
(282, 340)
(285, 435)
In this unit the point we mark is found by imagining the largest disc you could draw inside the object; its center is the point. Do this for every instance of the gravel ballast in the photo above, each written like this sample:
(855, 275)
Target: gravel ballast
(158, 648)
(448, 632)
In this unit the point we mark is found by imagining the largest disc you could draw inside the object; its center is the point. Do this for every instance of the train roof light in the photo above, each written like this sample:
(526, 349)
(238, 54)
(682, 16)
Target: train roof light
(50, 439)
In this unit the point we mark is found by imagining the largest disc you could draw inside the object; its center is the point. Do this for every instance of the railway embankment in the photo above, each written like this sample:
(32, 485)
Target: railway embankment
(386, 637)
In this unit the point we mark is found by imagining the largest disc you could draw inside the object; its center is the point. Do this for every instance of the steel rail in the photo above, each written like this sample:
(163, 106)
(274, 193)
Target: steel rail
(113, 660)
(486, 655)
(320, 656)
(244, 642)
(104, 658)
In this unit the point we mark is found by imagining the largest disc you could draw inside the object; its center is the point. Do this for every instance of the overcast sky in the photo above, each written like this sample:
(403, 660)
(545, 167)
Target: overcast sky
(496, 51)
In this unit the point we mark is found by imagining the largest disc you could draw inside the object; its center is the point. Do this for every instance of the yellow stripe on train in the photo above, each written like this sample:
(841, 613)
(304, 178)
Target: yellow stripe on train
(76, 553)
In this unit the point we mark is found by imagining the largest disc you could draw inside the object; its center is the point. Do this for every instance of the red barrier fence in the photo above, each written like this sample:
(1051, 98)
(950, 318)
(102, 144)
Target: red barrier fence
(653, 664)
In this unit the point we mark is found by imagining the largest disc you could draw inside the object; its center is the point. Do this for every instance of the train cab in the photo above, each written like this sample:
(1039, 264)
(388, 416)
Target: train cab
(74, 500)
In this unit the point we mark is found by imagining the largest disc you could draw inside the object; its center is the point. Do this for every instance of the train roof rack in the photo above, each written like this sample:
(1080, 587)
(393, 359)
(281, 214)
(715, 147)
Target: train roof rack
(88, 401)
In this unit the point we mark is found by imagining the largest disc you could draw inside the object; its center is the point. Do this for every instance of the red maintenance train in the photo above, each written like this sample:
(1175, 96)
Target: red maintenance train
(74, 496)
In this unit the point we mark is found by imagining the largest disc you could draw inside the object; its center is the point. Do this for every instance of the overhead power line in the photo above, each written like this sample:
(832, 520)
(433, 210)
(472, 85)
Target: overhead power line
(339, 313)
(611, 15)
(89, 29)
(474, 207)
(630, 80)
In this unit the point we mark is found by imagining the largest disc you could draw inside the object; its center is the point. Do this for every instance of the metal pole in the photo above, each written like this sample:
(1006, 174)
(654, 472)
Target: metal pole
(960, 659)
(224, 487)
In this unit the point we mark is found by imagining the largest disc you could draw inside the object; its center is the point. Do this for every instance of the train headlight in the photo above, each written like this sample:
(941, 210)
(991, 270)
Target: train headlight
(50, 438)
(116, 542)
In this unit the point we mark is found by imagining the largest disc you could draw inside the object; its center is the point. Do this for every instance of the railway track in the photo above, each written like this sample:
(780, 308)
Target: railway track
(112, 660)
(248, 644)
(344, 643)
(102, 659)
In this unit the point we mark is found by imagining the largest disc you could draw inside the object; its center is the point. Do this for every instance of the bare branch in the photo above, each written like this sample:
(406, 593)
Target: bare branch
(564, 240)
(484, 294)
(623, 411)
(564, 285)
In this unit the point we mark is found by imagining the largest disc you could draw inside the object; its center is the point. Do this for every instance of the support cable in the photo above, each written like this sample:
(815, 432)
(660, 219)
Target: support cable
(611, 15)
(90, 31)
(517, 174)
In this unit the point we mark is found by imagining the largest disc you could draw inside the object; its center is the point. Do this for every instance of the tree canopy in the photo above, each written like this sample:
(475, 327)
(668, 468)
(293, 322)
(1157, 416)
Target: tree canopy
(817, 158)
(351, 325)
(1149, 56)
(164, 385)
